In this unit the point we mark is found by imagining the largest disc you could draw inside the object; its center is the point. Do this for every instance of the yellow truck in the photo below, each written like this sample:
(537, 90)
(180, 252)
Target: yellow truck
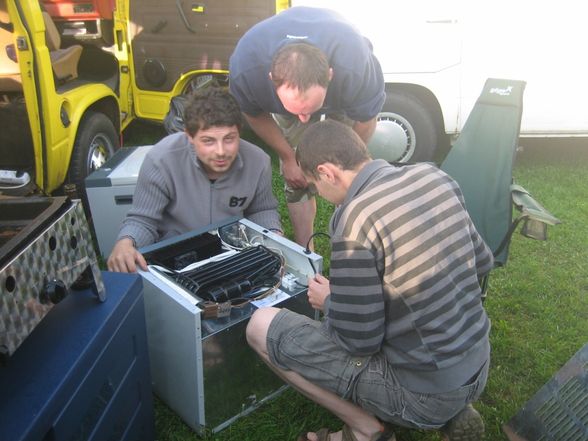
(75, 73)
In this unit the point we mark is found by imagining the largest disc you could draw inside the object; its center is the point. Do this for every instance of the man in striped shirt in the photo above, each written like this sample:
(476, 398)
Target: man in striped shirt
(404, 337)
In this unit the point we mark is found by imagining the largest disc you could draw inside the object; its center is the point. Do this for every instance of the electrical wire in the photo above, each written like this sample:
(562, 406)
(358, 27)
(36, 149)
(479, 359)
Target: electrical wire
(308, 250)
(318, 233)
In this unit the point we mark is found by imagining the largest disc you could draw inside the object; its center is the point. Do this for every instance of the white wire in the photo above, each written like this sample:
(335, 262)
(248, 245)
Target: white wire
(193, 265)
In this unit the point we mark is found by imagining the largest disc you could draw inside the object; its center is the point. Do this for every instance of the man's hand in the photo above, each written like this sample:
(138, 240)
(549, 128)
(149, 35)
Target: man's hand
(366, 129)
(293, 174)
(124, 257)
(267, 129)
(318, 290)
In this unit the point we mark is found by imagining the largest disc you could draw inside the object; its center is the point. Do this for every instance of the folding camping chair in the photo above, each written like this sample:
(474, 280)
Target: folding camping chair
(481, 161)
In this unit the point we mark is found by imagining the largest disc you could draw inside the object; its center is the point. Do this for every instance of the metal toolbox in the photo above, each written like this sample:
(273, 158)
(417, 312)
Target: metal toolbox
(203, 368)
(45, 248)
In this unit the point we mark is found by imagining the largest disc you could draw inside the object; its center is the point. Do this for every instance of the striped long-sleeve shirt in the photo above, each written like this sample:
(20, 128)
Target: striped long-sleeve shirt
(405, 264)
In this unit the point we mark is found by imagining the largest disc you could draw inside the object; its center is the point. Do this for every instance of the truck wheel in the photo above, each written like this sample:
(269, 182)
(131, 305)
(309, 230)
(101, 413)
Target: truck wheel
(405, 131)
(96, 142)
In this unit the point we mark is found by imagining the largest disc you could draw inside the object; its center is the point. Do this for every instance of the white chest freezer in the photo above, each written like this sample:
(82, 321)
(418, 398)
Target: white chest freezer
(110, 192)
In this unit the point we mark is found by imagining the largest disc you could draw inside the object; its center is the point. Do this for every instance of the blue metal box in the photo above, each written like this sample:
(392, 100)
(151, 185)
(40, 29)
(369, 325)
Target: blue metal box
(83, 373)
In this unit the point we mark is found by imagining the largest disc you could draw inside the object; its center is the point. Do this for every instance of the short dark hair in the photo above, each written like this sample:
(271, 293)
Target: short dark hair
(330, 141)
(211, 107)
(301, 66)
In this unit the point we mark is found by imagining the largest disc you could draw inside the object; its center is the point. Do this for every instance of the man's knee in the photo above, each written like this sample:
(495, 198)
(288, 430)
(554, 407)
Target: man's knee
(258, 326)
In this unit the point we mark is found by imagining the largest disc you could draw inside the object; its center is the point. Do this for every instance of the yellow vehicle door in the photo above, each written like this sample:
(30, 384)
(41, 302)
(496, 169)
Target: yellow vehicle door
(178, 45)
(21, 132)
(60, 99)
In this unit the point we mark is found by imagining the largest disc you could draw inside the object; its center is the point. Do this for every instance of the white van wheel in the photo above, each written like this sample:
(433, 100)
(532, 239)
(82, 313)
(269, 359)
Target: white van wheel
(405, 131)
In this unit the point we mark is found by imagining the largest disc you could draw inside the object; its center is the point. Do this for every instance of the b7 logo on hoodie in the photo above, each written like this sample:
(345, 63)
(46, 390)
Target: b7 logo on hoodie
(237, 202)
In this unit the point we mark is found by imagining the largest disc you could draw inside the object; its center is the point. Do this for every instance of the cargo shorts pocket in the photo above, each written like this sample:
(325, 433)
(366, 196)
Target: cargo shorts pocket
(377, 390)
(298, 343)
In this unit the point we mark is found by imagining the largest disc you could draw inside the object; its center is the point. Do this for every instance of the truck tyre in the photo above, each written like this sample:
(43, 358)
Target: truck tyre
(96, 142)
(405, 131)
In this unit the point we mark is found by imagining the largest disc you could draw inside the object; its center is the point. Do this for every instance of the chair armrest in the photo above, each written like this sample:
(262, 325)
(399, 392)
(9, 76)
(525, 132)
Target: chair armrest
(527, 205)
(534, 216)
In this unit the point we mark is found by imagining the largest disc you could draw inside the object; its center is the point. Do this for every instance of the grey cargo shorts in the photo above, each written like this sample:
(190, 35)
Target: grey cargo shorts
(298, 343)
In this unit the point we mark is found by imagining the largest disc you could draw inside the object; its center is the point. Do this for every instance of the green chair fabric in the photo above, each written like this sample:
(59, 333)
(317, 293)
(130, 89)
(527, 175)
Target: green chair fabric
(481, 161)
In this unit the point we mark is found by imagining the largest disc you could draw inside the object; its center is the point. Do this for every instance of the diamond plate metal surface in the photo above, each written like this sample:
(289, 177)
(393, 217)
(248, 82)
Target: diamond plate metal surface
(62, 252)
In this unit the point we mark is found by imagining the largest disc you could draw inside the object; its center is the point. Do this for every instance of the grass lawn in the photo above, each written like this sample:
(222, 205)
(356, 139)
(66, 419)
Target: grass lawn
(538, 305)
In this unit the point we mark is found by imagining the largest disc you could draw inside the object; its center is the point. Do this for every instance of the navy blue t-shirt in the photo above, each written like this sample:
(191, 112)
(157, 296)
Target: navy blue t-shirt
(357, 86)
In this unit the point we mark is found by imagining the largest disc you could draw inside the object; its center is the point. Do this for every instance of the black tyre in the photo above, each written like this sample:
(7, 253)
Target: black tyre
(96, 142)
(405, 132)
(205, 80)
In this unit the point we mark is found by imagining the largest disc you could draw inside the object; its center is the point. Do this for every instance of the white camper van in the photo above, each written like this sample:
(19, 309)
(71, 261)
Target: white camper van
(437, 54)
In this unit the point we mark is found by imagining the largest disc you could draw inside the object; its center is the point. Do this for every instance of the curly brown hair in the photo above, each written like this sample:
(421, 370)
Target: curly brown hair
(211, 107)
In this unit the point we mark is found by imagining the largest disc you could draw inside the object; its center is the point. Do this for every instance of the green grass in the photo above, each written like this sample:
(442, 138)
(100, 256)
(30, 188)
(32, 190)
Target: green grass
(538, 305)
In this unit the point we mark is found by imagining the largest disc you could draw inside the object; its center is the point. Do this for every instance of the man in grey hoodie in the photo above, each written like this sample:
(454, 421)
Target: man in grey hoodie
(193, 178)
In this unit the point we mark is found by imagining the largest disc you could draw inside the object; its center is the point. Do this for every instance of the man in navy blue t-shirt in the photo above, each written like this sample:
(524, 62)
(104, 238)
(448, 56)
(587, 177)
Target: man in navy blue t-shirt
(291, 69)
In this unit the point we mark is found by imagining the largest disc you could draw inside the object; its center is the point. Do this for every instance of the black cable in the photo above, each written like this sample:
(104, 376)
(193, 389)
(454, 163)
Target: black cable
(318, 233)
(308, 251)
(312, 266)
(302, 285)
